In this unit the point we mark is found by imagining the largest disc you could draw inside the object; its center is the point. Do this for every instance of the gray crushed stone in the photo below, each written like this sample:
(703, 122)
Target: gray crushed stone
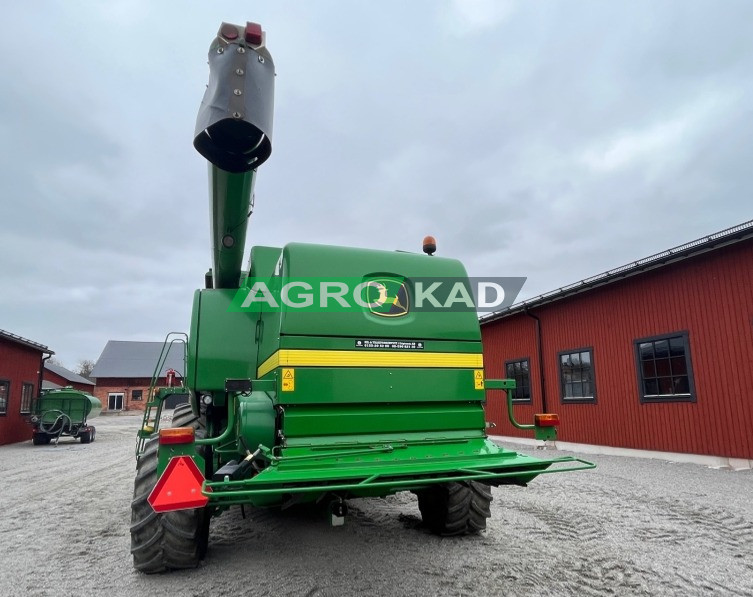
(631, 527)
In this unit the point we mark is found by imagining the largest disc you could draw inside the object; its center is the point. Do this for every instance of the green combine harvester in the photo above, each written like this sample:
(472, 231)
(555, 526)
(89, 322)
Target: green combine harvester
(293, 406)
(64, 412)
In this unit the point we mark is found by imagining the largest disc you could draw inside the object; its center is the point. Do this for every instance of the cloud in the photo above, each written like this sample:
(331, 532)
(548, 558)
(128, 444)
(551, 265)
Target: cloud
(551, 140)
(471, 16)
(664, 142)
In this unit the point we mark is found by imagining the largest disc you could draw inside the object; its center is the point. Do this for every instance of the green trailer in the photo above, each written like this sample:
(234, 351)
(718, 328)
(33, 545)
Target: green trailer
(312, 406)
(64, 412)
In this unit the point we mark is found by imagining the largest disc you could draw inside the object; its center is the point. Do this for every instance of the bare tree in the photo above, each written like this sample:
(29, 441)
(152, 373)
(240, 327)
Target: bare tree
(55, 361)
(85, 367)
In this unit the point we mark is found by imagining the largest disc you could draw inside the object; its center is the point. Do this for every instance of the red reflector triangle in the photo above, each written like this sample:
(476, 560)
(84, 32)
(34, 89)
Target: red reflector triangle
(179, 487)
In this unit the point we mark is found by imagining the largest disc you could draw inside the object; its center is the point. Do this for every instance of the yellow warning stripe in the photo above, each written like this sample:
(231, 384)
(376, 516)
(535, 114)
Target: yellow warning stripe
(352, 358)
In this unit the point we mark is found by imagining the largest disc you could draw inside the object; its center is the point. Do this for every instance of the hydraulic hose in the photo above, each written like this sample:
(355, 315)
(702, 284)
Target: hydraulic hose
(61, 417)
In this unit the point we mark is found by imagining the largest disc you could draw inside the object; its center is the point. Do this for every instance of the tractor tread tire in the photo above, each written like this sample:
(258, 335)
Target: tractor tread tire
(456, 508)
(183, 416)
(168, 540)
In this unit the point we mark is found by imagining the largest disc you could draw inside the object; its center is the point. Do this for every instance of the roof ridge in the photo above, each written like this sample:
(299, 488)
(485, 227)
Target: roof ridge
(25, 341)
(678, 253)
(73, 376)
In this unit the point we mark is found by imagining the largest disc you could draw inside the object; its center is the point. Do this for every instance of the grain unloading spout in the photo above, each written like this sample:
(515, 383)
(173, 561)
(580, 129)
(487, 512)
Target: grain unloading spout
(234, 133)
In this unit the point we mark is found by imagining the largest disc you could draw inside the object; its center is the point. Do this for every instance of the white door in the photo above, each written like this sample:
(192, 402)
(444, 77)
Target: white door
(115, 401)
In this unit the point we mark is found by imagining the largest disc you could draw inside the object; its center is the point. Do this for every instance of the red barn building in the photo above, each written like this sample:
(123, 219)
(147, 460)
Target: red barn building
(20, 379)
(655, 355)
(124, 371)
(56, 376)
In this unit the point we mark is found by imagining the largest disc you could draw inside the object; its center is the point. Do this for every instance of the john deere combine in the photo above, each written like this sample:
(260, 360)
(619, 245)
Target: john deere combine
(292, 402)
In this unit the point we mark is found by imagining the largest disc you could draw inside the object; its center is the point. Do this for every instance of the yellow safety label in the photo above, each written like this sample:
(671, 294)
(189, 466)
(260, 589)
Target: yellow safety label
(478, 374)
(478, 384)
(288, 380)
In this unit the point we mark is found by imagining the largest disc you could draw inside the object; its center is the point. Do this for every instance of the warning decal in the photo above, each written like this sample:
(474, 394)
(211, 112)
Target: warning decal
(288, 380)
(478, 379)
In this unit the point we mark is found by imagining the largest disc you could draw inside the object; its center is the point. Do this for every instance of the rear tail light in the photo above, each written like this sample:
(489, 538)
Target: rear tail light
(176, 435)
(228, 31)
(546, 420)
(253, 34)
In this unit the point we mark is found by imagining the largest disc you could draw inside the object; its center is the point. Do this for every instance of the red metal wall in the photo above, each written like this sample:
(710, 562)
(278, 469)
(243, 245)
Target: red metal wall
(710, 296)
(18, 364)
(62, 381)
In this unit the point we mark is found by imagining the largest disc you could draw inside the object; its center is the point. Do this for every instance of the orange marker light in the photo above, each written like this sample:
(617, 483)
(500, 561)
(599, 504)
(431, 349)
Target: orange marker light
(176, 435)
(430, 245)
(546, 420)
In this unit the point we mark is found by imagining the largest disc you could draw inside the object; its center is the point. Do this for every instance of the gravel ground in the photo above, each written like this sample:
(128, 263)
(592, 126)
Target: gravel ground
(632, 527)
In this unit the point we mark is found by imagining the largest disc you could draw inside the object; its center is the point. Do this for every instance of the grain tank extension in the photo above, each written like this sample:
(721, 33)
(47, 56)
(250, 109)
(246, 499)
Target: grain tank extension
(290, 406)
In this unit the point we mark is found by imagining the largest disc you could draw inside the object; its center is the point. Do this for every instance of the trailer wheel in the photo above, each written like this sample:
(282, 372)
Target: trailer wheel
(93, 432)
(457, 508)
(170, 540)
(40, 439)
(86, 436)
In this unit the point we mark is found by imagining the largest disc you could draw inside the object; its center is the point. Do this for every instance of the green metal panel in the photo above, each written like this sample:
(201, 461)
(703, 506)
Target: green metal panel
(222, 345)
(268, 336)
(386, 418)
(500, 384)
(362, 440)
(301, 261)
(262, 261)
(193, 338)
(363, 385)
(166, 452)
(262, 264)
(445, 455)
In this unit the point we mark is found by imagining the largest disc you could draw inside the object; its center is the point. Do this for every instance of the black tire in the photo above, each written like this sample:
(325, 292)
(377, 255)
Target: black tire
(40, 439)
(86, 437)
(170, 540)
(457, 508)
(183, 416)
(93, 432)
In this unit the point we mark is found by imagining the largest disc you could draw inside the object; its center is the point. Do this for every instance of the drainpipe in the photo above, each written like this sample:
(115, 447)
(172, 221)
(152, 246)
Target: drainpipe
(539, 352)
(40, 379)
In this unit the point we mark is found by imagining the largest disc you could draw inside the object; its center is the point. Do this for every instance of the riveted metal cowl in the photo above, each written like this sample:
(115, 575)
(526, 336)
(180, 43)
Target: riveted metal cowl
(234, 124)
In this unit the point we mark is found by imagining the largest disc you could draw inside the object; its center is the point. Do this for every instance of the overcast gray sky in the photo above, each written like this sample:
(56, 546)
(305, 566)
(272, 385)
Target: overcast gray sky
(545, 139)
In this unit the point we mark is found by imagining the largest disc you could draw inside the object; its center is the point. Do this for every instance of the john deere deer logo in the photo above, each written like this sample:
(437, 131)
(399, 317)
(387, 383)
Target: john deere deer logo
(388, 297)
